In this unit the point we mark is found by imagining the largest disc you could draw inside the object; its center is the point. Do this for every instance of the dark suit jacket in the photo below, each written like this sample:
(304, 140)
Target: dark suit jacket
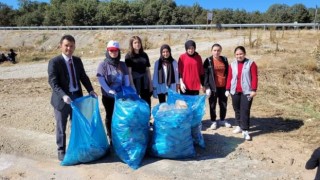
(58, 78)
(314, 162)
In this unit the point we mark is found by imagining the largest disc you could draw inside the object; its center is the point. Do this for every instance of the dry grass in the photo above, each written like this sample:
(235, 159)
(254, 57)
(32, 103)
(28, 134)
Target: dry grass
(289, 80)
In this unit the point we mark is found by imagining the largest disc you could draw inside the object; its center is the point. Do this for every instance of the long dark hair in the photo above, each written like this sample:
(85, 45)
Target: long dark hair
(131, 50)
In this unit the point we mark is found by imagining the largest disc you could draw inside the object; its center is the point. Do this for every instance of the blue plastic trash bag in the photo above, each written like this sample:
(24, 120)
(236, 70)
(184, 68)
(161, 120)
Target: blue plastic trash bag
(88, 139)
(198, 106)
(172, 132)
(130, 128)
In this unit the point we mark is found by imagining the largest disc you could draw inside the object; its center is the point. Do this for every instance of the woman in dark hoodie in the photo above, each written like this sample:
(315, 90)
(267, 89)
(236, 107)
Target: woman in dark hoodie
(215, 80)
(112, 75)
(166, 75)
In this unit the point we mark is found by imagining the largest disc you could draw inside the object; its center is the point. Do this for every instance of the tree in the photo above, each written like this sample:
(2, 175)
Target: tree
(300, 13)
(7, 15)
(134, 15)
(312, 15)
(117, 12)
(55, 13)
(239, 17)
(255, 17)
(85, 12)
(181, 15)
(151, 11)
(278, 13)
(31, 13)
(166, 11)
(197, 15)
(223, 16)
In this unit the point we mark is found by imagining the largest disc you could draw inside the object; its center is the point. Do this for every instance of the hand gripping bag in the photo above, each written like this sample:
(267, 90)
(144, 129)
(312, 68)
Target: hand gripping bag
(172, 132)
(130, 127)
(198, 106)
(88, 139)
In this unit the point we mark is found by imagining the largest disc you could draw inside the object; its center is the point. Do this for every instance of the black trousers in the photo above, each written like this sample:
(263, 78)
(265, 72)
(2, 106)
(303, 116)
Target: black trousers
(108, 103)
(241, 106)
(61, 117)
(145, 94)
(190, 92)
(218, 96)
(162, 97)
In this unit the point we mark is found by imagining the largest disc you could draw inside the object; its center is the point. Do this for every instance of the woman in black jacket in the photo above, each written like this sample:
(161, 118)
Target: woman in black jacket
(216, 71)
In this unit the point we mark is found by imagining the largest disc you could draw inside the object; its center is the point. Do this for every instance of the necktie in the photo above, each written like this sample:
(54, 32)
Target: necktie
(73, 76)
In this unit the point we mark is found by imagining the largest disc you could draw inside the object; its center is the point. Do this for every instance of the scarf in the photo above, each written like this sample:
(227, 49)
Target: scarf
(168, 62)
(113, 61)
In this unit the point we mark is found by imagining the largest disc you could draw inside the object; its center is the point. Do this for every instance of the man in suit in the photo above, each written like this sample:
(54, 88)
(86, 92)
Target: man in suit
(314, 162)
(65, 72)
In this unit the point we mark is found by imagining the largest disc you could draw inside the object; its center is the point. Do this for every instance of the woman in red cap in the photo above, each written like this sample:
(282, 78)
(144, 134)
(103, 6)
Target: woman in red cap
(112, 75)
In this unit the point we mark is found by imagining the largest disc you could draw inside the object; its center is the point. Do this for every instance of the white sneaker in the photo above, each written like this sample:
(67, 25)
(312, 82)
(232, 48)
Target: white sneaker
(213, 125)
(225, 123)
(237, 130)
(246, 135)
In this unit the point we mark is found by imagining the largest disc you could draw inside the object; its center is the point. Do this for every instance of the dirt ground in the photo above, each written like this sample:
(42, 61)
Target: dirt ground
(28, 149)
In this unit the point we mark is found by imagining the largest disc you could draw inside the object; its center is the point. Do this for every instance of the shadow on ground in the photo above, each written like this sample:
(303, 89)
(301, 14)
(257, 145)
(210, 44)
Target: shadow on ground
(220, 146)
(259, 126)
(217, 146)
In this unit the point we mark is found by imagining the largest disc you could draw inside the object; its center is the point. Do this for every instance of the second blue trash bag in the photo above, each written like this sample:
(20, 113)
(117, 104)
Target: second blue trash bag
(172, 132)
(88, 139)
(198, 106)
(130, 128)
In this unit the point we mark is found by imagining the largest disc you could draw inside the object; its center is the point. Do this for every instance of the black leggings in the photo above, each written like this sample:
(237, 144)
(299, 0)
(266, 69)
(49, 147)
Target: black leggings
(108, 103)
(220, 97)
(145, 94)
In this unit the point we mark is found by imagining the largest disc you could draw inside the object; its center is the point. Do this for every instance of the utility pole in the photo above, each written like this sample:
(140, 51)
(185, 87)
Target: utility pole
(315, 17)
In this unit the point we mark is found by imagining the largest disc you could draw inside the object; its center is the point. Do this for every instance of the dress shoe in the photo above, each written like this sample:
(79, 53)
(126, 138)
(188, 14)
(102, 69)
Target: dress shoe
(61, 155)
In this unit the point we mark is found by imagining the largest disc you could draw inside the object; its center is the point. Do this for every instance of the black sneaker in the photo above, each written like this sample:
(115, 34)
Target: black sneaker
(61, 155)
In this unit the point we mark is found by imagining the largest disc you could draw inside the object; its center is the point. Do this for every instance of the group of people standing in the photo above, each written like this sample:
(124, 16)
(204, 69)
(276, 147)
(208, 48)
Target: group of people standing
(189, 75)
(238, 79)
(11, 57)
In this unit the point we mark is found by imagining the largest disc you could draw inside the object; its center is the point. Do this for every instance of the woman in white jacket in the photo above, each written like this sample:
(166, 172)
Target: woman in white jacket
(165, 74)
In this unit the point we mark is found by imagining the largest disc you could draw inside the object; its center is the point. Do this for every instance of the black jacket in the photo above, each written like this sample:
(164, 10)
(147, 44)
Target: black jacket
(208, 66)
(314, 162)
(58, 78)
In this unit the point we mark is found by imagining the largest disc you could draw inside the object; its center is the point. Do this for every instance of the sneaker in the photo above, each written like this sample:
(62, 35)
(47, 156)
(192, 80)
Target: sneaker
(226, 123)
(213, 125)
(150, 126)
(237, 130)
(61, 155)
(246, 135)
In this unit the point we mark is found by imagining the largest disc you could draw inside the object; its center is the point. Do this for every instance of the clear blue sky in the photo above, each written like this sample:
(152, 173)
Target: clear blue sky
(248, 5)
